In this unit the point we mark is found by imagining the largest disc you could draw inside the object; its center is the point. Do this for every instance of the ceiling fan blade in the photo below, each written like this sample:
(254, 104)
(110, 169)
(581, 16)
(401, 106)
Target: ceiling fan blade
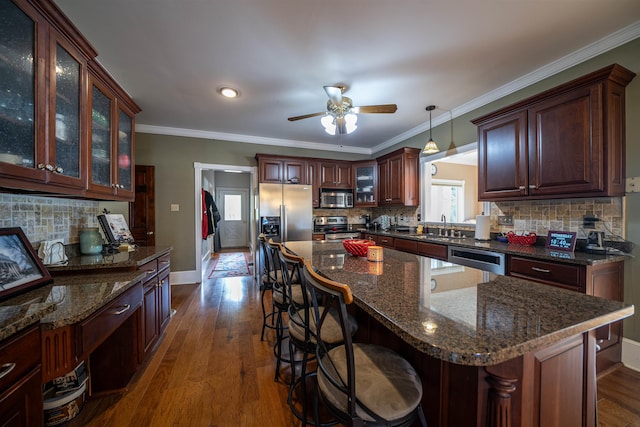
(383, 108)
(334, 93)
(306, 116)
(341, 125)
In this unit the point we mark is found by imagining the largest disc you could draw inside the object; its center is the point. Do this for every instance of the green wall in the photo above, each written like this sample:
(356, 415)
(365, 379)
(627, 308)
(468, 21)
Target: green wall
(174, 158)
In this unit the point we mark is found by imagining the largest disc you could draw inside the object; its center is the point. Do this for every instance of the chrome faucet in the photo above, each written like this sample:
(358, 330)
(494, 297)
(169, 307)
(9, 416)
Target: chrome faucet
(443, 218)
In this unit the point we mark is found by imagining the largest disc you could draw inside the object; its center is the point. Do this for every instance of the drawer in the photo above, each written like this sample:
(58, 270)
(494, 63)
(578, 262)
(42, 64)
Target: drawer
(317, 236)
(19, 354)
(150, 268)
(406, 245)
(387, 242)
(571, 276)
(164, 262)
(94, 330)
(433, 250)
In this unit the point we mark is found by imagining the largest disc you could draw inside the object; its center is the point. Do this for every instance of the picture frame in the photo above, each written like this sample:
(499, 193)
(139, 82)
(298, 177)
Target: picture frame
(20, 268)
(561, 240)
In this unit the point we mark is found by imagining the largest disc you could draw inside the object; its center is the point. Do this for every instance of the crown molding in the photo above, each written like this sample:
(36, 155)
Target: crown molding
(191, 133)
(592, 50)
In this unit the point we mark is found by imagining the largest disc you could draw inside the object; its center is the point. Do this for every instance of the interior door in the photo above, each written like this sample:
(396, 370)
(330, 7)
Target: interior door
(142, 213)
(234, 211)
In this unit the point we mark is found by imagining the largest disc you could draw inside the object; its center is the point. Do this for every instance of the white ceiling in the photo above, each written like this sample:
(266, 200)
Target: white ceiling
(173, 55)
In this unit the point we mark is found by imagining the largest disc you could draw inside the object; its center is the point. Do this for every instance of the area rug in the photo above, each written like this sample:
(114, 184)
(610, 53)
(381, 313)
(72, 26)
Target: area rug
(231, 264)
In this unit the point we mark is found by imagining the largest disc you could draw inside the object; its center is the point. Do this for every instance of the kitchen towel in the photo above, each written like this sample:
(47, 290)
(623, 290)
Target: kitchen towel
(483, 227)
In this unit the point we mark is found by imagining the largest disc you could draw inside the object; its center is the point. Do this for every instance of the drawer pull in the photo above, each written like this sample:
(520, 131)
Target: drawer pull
(126, 307)
(150, 272)
(6, 368)
(540, 270)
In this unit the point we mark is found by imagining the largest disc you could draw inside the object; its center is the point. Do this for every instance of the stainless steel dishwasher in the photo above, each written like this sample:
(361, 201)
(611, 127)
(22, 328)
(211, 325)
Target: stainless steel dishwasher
(478, 258)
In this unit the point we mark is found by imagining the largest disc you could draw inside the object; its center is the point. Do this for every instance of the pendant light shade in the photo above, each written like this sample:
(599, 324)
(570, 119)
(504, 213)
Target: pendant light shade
(431, 146)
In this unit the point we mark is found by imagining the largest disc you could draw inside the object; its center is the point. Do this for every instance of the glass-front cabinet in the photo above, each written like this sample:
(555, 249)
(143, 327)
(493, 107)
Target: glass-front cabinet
(65, 151)
(366, 183)
(111, 142)
(42, 100)
(22, 39)
(125, 152)
(66, 127)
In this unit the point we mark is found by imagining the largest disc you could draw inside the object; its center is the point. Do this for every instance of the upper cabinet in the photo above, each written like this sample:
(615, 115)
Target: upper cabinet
(283, 170)
(565, 142)
(44, 75)
(111, 138)
(399, 178)
(365, 179)
(333, 174)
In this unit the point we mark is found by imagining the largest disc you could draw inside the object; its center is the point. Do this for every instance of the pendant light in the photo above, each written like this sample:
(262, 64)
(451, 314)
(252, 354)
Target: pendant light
(431, 146)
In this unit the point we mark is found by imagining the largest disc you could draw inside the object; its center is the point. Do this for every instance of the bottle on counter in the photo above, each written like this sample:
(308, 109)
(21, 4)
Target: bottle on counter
(90, 241)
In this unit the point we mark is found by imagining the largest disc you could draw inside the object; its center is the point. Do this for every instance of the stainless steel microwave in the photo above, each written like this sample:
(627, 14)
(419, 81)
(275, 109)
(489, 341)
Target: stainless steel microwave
(335, 198)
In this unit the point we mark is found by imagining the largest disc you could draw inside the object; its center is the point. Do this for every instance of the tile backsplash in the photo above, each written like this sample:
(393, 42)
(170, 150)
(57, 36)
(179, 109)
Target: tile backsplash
(47, 218)
(540, 216)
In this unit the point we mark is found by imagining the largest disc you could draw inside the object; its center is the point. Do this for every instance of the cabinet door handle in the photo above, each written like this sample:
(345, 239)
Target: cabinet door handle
(6, 368)
(540, 270)
(522, 188)
(533, 186)
(126, 307)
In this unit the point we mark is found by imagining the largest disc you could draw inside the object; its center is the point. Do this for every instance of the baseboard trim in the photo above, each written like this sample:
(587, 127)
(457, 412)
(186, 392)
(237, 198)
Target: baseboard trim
(631, 354)
(184, 277)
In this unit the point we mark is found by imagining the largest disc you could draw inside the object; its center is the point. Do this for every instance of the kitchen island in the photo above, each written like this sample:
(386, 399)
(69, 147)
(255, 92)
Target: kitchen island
(491, 350)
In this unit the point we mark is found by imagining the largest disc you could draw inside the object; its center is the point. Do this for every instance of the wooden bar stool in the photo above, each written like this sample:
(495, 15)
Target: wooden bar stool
(361, 384)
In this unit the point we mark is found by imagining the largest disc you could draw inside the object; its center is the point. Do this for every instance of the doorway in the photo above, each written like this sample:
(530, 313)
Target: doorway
(234, 212)
(199, 169)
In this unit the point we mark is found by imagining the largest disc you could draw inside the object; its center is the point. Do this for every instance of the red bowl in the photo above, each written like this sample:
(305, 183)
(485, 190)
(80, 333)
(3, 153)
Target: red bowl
(357, 247)
(517, 239)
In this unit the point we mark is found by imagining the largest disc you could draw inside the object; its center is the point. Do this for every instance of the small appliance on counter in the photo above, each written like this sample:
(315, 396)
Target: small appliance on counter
(595, 243)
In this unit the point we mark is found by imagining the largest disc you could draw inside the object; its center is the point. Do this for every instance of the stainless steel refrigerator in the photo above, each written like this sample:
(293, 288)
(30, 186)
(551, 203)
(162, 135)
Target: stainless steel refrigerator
(293, 204)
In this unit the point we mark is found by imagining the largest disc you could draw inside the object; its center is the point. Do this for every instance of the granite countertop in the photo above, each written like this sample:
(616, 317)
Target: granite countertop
(69, 299)
(73, 297)
(536, 251)
(460, 314)
(121, 260)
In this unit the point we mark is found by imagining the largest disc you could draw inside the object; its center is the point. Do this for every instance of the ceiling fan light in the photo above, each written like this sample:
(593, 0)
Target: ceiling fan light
(329, 124)
(351, 120)
(431, 147)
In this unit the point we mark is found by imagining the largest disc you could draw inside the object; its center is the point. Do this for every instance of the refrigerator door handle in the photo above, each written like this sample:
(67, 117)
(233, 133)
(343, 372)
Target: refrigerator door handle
(283, 226)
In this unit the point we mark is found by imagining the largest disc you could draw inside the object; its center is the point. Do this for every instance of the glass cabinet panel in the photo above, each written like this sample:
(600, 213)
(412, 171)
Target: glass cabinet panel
(17, 86)
(100, 138)
(366, 184)
(67, 123)
(125, 125)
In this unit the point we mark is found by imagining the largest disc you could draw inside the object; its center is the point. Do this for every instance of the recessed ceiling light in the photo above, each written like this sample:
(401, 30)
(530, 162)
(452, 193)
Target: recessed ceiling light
(228, 92)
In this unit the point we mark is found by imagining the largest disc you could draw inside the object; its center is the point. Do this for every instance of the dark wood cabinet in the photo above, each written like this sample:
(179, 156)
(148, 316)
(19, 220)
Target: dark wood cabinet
(566, 142)
(601, 280)
(47, 140)
(283, 170)
(399, 178)
(333, 174)
(433, 250)
(111, 120)
(21, 379)
(365, 181)
(156, 303)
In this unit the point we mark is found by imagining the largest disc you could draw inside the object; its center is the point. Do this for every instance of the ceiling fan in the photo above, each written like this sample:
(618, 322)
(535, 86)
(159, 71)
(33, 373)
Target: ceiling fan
(340, 117)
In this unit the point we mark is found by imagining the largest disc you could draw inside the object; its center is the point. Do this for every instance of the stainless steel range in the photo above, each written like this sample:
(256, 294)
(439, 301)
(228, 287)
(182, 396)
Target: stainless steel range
(334, 228)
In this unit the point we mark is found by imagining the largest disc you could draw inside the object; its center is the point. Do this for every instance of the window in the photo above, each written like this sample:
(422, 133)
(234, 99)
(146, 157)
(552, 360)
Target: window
(232, 207)
(447, 198)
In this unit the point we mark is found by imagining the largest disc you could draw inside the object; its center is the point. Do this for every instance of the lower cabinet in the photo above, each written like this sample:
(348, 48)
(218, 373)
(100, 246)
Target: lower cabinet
(156, 303)
(601, 280)
(21, 379)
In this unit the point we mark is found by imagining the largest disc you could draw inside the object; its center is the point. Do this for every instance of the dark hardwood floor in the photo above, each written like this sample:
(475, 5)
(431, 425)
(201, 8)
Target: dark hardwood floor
(211, 369)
